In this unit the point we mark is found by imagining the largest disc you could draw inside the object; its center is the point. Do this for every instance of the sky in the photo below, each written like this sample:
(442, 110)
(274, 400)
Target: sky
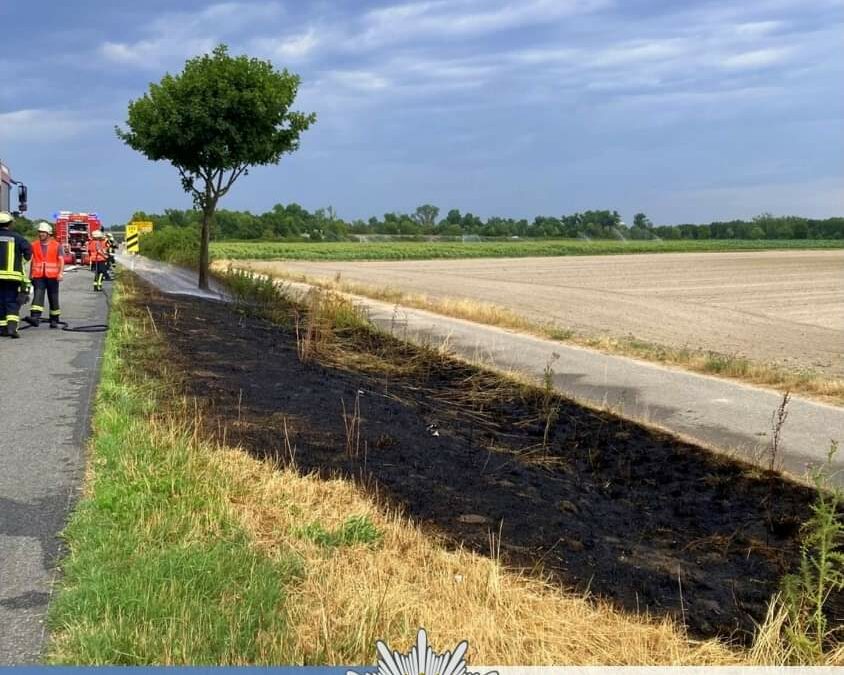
(689, 111)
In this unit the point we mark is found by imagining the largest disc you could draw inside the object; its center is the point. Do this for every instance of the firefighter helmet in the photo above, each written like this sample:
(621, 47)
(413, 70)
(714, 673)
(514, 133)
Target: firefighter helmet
(45, 227)
(97, 234)
(6, 218)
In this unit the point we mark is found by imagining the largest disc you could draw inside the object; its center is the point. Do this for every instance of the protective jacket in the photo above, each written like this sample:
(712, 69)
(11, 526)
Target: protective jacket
(47, 266)
(14, 249)
(97, 251)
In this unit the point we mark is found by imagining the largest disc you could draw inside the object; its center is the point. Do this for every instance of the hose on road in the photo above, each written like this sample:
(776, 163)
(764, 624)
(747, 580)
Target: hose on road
(89, 328)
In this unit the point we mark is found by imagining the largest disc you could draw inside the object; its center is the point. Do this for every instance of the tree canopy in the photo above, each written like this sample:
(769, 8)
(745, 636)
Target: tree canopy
(214, 120)
(295, 222)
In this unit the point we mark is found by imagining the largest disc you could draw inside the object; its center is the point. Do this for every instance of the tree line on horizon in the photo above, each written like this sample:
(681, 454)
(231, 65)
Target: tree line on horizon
(294, 222)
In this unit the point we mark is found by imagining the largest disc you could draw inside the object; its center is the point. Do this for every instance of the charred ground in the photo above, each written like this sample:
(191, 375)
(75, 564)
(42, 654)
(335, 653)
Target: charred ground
(630, 514)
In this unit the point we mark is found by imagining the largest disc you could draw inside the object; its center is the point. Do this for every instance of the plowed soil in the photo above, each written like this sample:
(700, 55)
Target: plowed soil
(780, 307)
(632, 515)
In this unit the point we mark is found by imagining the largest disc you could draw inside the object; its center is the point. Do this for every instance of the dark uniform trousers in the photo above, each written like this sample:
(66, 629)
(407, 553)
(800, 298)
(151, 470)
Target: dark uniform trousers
(100, 270)
(9, 307)
(14, 249)
(50, 287)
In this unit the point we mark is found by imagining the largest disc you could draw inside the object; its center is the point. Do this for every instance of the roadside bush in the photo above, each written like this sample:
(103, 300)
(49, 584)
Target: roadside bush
(821, 574)
(175, 245)
(802, 627)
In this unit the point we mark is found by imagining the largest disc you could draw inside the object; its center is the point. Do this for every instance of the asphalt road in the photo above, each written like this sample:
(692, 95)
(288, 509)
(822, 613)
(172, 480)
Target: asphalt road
(49, 379)
(170, 278)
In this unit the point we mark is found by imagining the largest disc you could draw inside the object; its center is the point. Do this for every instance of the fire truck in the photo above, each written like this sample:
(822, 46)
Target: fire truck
(6, 183)
(73, 232)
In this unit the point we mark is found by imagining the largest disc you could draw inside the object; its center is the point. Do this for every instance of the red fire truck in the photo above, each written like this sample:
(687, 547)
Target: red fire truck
(73, 232)
(6, 183)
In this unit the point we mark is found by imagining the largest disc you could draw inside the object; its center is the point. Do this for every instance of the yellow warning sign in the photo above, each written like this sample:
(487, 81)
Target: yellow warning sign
(143, 226)
(132, 238)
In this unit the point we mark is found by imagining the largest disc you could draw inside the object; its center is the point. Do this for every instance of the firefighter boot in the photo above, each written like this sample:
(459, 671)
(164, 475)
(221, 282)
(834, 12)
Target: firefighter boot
(54, 322)
(34, 319)
(12, 329)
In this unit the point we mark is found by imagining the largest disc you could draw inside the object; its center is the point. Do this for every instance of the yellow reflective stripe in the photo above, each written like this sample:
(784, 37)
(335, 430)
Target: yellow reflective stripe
(12, 317)
(7, 266)
(37, 308)
(55, 312)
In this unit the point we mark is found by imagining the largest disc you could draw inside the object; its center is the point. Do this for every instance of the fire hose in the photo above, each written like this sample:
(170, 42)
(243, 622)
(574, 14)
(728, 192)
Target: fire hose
(23, 299)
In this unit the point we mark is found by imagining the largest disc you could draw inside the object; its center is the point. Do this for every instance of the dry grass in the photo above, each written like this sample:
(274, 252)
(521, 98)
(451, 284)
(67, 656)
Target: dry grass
(772, 645)
(352, 596)
(346, 592)
(808, 383)
(347, 598)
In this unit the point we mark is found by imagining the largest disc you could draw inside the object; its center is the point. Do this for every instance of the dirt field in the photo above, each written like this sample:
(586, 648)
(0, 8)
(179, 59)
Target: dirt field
(648, 522)
(782, 307)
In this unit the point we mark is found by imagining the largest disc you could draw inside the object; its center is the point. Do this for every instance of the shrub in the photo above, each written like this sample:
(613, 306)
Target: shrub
(178, 245)
(821, 574)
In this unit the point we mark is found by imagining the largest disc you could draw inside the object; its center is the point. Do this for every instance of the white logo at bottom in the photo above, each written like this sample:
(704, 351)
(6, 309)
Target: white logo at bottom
(421, 660)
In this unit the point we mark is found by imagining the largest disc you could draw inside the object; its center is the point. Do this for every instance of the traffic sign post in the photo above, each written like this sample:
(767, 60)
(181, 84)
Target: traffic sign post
(132, 238)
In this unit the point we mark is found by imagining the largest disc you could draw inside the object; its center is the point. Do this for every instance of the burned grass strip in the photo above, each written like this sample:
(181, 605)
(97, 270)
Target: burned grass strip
(599, 504)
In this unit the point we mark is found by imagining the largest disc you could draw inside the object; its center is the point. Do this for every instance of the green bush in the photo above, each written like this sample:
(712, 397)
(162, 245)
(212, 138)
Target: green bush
(820, 576)
(177, 245)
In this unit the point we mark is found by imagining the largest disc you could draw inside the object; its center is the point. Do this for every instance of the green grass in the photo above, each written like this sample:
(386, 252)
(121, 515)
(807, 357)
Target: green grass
(414, 250)
(354, 530)
(159, 570)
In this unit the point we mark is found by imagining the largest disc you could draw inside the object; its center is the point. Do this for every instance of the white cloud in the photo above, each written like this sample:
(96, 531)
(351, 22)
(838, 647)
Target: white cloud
(410, 51)
(535, 55)
(155, 53)
(620, 55)
(295, 47)
(42, 125)
(465, 17)
(358, 80)
(439, 69)
(755, 29)
(179, 35)
(638, 51)
(623, 84)
(757, 58)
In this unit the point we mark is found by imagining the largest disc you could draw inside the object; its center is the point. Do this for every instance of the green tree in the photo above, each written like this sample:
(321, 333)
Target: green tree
(426, 216)
(454, 217)
(641, 220)
(214, 120)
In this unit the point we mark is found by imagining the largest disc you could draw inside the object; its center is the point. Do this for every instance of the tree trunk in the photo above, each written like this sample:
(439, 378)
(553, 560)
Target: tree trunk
(204, 239)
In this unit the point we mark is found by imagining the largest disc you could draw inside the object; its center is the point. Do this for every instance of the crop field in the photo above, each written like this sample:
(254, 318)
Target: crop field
(779, 307)
(422, 250)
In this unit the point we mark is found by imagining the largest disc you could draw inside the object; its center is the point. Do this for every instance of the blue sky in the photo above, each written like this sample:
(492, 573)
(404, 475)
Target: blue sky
(690, 111)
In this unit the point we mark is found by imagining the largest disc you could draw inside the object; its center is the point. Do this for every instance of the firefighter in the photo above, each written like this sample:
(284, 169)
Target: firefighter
(98, 255)
(46, 271)
(109, 238)
(14, 249)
